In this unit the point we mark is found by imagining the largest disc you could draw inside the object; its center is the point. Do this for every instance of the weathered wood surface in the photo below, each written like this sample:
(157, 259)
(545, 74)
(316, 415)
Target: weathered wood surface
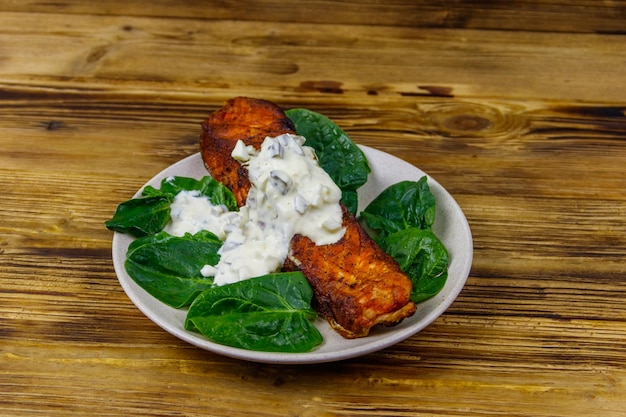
(525, 125)
(196, 56)
(580, 16)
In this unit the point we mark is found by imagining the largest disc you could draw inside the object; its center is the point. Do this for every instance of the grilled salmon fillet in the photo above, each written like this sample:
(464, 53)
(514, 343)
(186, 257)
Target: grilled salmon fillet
(249, 120)
(356, 284)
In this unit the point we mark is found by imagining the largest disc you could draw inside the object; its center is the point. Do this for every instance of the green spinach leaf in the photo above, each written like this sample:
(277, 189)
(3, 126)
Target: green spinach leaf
(422, 256)
(168, 267)
(402, 205)
(148, 215)
(271, 313)
(338, 155)
(402, 216)
(141, 216)
(217, 193)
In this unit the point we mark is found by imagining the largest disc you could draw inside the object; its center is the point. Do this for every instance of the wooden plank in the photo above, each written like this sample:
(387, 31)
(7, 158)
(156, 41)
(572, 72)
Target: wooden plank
(579, 16)
(424, 376)
(190, 56)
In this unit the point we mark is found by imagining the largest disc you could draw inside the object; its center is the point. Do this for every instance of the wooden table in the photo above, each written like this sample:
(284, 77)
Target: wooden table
(517, 108)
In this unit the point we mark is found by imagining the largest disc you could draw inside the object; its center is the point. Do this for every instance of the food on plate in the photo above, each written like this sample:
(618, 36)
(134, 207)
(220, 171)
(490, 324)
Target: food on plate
(255, 257)
(356, 284)
(249, 120)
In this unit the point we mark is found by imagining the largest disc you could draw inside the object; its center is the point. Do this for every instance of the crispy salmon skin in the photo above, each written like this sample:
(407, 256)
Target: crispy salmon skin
(356, 284)
(246, 119)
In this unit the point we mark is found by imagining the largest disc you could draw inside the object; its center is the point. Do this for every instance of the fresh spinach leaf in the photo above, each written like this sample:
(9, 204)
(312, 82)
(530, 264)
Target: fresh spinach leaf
(141, 216)
(402, 216)
(271, 313)
(217, 193)
(401, 205)
(168, 267)
(338, 155)
(148, 215)
(422, 256)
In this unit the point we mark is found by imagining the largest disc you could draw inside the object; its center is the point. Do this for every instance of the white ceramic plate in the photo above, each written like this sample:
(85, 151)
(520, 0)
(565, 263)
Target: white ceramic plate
(450, 226)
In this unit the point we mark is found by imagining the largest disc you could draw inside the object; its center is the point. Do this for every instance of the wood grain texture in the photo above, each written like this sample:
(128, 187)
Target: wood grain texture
(193, 56)
(577, 16)
(524, 124)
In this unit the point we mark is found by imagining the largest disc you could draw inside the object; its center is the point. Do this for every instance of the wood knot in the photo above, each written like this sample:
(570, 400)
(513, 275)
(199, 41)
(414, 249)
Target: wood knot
(466, 122)
(97, 53)
(476, 120)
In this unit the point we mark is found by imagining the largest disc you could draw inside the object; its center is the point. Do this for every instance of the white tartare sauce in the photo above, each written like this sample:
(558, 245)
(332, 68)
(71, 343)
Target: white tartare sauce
(290, 194)
(191, 212)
